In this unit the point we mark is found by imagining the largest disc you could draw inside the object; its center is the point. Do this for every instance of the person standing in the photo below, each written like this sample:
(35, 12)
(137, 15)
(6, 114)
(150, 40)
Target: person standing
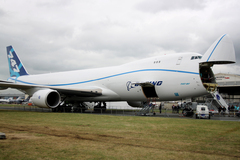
(224, 110)
(160, 108)
(177, 108)
(219, 110)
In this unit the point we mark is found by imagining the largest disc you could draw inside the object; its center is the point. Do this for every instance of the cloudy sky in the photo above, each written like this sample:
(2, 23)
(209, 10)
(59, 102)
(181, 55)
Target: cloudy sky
(62, 35)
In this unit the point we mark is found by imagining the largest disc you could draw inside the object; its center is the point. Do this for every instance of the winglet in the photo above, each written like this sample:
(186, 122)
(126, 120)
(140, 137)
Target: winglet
(16, 67)
(220, 52)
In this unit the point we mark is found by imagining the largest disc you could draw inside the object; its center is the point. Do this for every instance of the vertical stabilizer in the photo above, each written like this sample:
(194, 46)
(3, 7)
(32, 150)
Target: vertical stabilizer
(220, 52)
(16, 67)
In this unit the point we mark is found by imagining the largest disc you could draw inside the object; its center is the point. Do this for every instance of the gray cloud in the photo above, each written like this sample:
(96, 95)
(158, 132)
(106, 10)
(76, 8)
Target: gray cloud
(55, 3)
(67, 35)
(1, 12)
(155, 6)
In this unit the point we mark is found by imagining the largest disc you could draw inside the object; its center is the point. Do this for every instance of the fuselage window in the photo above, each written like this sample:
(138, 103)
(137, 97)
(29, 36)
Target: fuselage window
(157, 62)
(196, 57)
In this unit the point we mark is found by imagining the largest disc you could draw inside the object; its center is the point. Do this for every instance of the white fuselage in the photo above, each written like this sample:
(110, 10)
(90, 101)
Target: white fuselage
(175, 76)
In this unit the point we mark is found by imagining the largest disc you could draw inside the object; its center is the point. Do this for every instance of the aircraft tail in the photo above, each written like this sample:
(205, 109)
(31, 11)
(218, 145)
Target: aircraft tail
(220, 52)
(16, 67)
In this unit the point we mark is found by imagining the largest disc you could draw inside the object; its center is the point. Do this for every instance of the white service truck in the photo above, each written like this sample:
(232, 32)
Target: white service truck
(202, 111)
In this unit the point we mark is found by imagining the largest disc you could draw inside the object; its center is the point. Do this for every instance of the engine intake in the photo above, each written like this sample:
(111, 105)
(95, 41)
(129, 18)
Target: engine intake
(46, 98)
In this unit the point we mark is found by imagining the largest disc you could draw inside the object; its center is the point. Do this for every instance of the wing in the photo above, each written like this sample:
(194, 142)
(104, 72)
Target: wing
(66, 91)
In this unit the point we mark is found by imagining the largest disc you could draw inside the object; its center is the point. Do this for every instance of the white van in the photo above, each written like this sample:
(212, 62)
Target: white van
(202, 111)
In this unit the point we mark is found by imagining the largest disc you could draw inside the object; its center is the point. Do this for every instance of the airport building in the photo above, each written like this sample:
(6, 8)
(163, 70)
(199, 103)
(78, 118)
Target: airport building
(4, 94)
(229, 86)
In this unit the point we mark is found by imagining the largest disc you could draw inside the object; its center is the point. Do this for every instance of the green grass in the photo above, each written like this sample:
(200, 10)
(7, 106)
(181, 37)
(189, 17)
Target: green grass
(36, 135)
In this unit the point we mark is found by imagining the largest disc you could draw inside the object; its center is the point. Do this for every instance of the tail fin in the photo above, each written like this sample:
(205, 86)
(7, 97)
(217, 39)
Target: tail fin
(16, 67)
(220, 52)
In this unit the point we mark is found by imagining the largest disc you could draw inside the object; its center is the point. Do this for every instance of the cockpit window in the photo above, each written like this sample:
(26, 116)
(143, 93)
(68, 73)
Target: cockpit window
(196, 57)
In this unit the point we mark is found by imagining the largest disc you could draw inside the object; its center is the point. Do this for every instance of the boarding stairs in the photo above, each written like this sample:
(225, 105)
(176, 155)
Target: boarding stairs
(220, 101)
(148, 108)
(215, 100)
(211, 103)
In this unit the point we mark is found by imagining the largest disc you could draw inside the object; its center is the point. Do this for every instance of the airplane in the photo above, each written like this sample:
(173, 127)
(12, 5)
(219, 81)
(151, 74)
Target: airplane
(12, 100)
(166, 77)
(4, 100)
(18, 100)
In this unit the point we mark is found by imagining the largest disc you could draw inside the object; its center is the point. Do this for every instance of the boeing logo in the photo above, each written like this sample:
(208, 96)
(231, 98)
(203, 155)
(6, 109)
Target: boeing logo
(156, 83)
(131, 85)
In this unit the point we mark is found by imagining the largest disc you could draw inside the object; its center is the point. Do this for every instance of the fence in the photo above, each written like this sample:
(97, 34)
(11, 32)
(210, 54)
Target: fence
(166, 112)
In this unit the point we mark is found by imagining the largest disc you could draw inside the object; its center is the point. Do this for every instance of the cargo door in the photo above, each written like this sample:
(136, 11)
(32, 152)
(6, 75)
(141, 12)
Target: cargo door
(149, 92)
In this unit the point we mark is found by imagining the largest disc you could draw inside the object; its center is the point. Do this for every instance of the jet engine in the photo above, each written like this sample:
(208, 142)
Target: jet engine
(46, 98)
(135, 103)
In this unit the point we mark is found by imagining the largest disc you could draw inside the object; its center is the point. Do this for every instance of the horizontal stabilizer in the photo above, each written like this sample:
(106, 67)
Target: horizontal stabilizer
(220, 52)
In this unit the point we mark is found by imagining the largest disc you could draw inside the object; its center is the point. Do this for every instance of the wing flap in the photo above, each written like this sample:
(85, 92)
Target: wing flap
(78, 92)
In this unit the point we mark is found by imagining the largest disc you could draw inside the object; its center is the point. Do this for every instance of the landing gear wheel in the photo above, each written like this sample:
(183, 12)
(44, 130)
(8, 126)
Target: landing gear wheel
(99, 107)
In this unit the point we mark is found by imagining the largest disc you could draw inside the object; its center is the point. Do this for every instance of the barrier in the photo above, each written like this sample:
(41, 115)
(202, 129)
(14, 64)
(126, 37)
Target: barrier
(119, 111)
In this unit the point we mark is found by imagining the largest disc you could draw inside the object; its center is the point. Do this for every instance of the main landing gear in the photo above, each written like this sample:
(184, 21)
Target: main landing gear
(80, 107)
(100, 107)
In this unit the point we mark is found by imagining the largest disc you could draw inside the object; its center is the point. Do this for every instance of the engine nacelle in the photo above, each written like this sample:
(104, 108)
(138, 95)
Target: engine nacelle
(46, 98)
(135, 103)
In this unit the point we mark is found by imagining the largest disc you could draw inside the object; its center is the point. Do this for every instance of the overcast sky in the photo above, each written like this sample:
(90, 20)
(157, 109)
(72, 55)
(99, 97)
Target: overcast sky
(62, 35)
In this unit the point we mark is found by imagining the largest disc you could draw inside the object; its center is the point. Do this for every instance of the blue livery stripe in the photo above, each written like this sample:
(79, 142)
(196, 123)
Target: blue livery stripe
(115, 75)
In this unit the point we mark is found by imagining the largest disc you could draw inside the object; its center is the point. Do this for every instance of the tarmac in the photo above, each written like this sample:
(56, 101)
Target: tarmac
(174, 115)
(114, 112)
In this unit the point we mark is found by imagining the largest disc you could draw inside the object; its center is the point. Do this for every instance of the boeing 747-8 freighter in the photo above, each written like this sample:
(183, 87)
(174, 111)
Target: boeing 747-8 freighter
(165, 77)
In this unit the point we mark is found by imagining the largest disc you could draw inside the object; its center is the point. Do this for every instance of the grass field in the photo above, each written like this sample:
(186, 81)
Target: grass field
(36, 135)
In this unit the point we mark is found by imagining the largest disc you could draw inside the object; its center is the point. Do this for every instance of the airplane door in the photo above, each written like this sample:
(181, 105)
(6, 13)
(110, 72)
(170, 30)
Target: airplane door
(149, 92)
(179, 60)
